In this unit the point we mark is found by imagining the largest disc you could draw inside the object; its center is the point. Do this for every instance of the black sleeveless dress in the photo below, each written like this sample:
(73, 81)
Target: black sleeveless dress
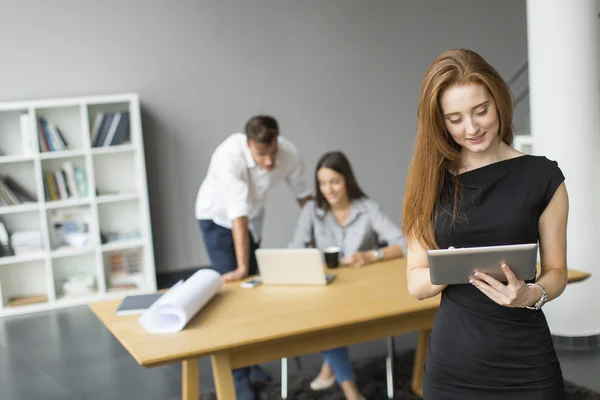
(479, 349)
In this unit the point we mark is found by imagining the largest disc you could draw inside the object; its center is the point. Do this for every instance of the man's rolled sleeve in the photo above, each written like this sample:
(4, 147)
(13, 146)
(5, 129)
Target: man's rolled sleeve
(235, 186)
(296, 179)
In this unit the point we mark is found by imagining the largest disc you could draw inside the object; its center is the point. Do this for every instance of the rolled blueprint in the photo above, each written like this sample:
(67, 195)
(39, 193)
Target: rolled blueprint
(174, 309)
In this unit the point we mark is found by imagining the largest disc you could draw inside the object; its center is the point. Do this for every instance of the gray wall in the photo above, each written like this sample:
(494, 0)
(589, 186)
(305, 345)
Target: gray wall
(338, 74)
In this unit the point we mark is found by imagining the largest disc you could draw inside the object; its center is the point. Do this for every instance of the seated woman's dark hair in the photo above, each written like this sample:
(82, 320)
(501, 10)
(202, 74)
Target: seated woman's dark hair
(338, 162)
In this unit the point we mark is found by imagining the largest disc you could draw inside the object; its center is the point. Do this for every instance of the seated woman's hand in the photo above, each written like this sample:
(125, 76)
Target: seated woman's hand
(356, 260)
(515, 293)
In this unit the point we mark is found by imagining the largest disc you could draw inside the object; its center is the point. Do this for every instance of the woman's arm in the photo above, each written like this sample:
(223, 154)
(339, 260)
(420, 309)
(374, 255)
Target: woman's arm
(303, 235)
(385, 229)
(368, 257)
(553, 245)
(417, 273)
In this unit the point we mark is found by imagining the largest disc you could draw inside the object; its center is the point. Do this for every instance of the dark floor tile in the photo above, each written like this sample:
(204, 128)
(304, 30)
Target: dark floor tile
(581, 367)
(150, 390)
(63, 339)
(19, 381)
(13, 370)
(42, 388)
(97, 376)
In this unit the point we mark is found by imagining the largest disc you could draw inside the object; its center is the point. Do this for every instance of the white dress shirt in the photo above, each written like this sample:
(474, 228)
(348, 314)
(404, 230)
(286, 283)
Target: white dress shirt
(235, 186)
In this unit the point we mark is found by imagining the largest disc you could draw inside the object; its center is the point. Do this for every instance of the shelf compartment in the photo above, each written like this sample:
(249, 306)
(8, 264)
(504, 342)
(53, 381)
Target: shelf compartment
(16, 136)
(22, 174)
(67, 119)
(100, 121)
(106, 177)
(70, 172)
(75, 276)
(26, 236)
(119, 221)
(124, 269)
(69, 230)
(24, 284)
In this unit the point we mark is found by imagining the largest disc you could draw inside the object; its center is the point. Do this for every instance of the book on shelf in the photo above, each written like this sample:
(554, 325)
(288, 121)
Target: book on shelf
(12, 193)
(114, 236)
(51, 138)
(5, 249)
(66, 183)
(22, 195)
(26, 135)
(18, 301)
(7, 197)
(110, 129)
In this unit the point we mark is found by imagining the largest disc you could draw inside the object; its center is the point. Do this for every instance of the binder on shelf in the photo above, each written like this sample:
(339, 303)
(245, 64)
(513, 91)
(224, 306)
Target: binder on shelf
(112, 130)
(7, 198)
(69, 172)
(20, 193)
(26, 135)
(5, 249)
(98, 121)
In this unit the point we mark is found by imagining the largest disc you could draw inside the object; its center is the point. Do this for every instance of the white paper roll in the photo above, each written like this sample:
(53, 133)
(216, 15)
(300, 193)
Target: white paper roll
(174, 309)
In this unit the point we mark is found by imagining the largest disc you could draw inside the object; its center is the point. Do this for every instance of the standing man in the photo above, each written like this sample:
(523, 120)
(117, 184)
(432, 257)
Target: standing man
(230, 205)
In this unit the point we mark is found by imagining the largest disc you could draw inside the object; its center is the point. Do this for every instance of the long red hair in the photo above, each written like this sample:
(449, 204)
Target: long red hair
(435, 150)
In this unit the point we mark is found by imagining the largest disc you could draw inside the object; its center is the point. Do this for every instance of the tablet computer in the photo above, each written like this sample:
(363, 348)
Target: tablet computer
(456, 266)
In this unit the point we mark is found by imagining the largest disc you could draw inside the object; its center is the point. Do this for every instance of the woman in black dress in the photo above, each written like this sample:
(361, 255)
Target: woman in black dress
(467, 187)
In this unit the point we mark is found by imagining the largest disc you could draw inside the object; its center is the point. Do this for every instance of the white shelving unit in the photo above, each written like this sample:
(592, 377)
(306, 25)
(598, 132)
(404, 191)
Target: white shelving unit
(116, 203)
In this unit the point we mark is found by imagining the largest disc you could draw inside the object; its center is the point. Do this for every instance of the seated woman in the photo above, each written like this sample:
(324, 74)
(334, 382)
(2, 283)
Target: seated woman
(343, 216)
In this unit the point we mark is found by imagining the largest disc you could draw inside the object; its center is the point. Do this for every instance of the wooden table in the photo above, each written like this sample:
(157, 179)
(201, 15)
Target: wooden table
(242, 327)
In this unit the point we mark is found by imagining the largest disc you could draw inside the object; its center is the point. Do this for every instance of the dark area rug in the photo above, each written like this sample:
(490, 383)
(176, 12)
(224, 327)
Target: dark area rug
(370, 376)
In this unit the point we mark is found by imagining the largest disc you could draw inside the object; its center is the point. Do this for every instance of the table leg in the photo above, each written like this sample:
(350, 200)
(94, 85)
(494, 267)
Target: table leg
(420, 355)
(190, 377)
(221, 366)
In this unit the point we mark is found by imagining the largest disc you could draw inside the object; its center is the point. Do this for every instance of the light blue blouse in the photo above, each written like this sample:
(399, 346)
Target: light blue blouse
(367, 226)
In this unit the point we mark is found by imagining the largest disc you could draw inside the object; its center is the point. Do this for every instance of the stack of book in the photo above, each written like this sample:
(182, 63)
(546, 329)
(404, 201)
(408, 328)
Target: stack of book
(125, 270)
(51, 138)
(110, 129)
(25, 242)
(11, 193)
(65, 183)
(79, 285)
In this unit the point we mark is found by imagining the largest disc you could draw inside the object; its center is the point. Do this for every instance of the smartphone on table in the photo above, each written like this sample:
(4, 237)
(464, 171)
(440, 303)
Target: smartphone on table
(251, 283)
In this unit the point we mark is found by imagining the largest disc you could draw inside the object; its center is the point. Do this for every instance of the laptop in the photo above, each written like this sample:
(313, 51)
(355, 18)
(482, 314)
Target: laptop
(292, 267)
